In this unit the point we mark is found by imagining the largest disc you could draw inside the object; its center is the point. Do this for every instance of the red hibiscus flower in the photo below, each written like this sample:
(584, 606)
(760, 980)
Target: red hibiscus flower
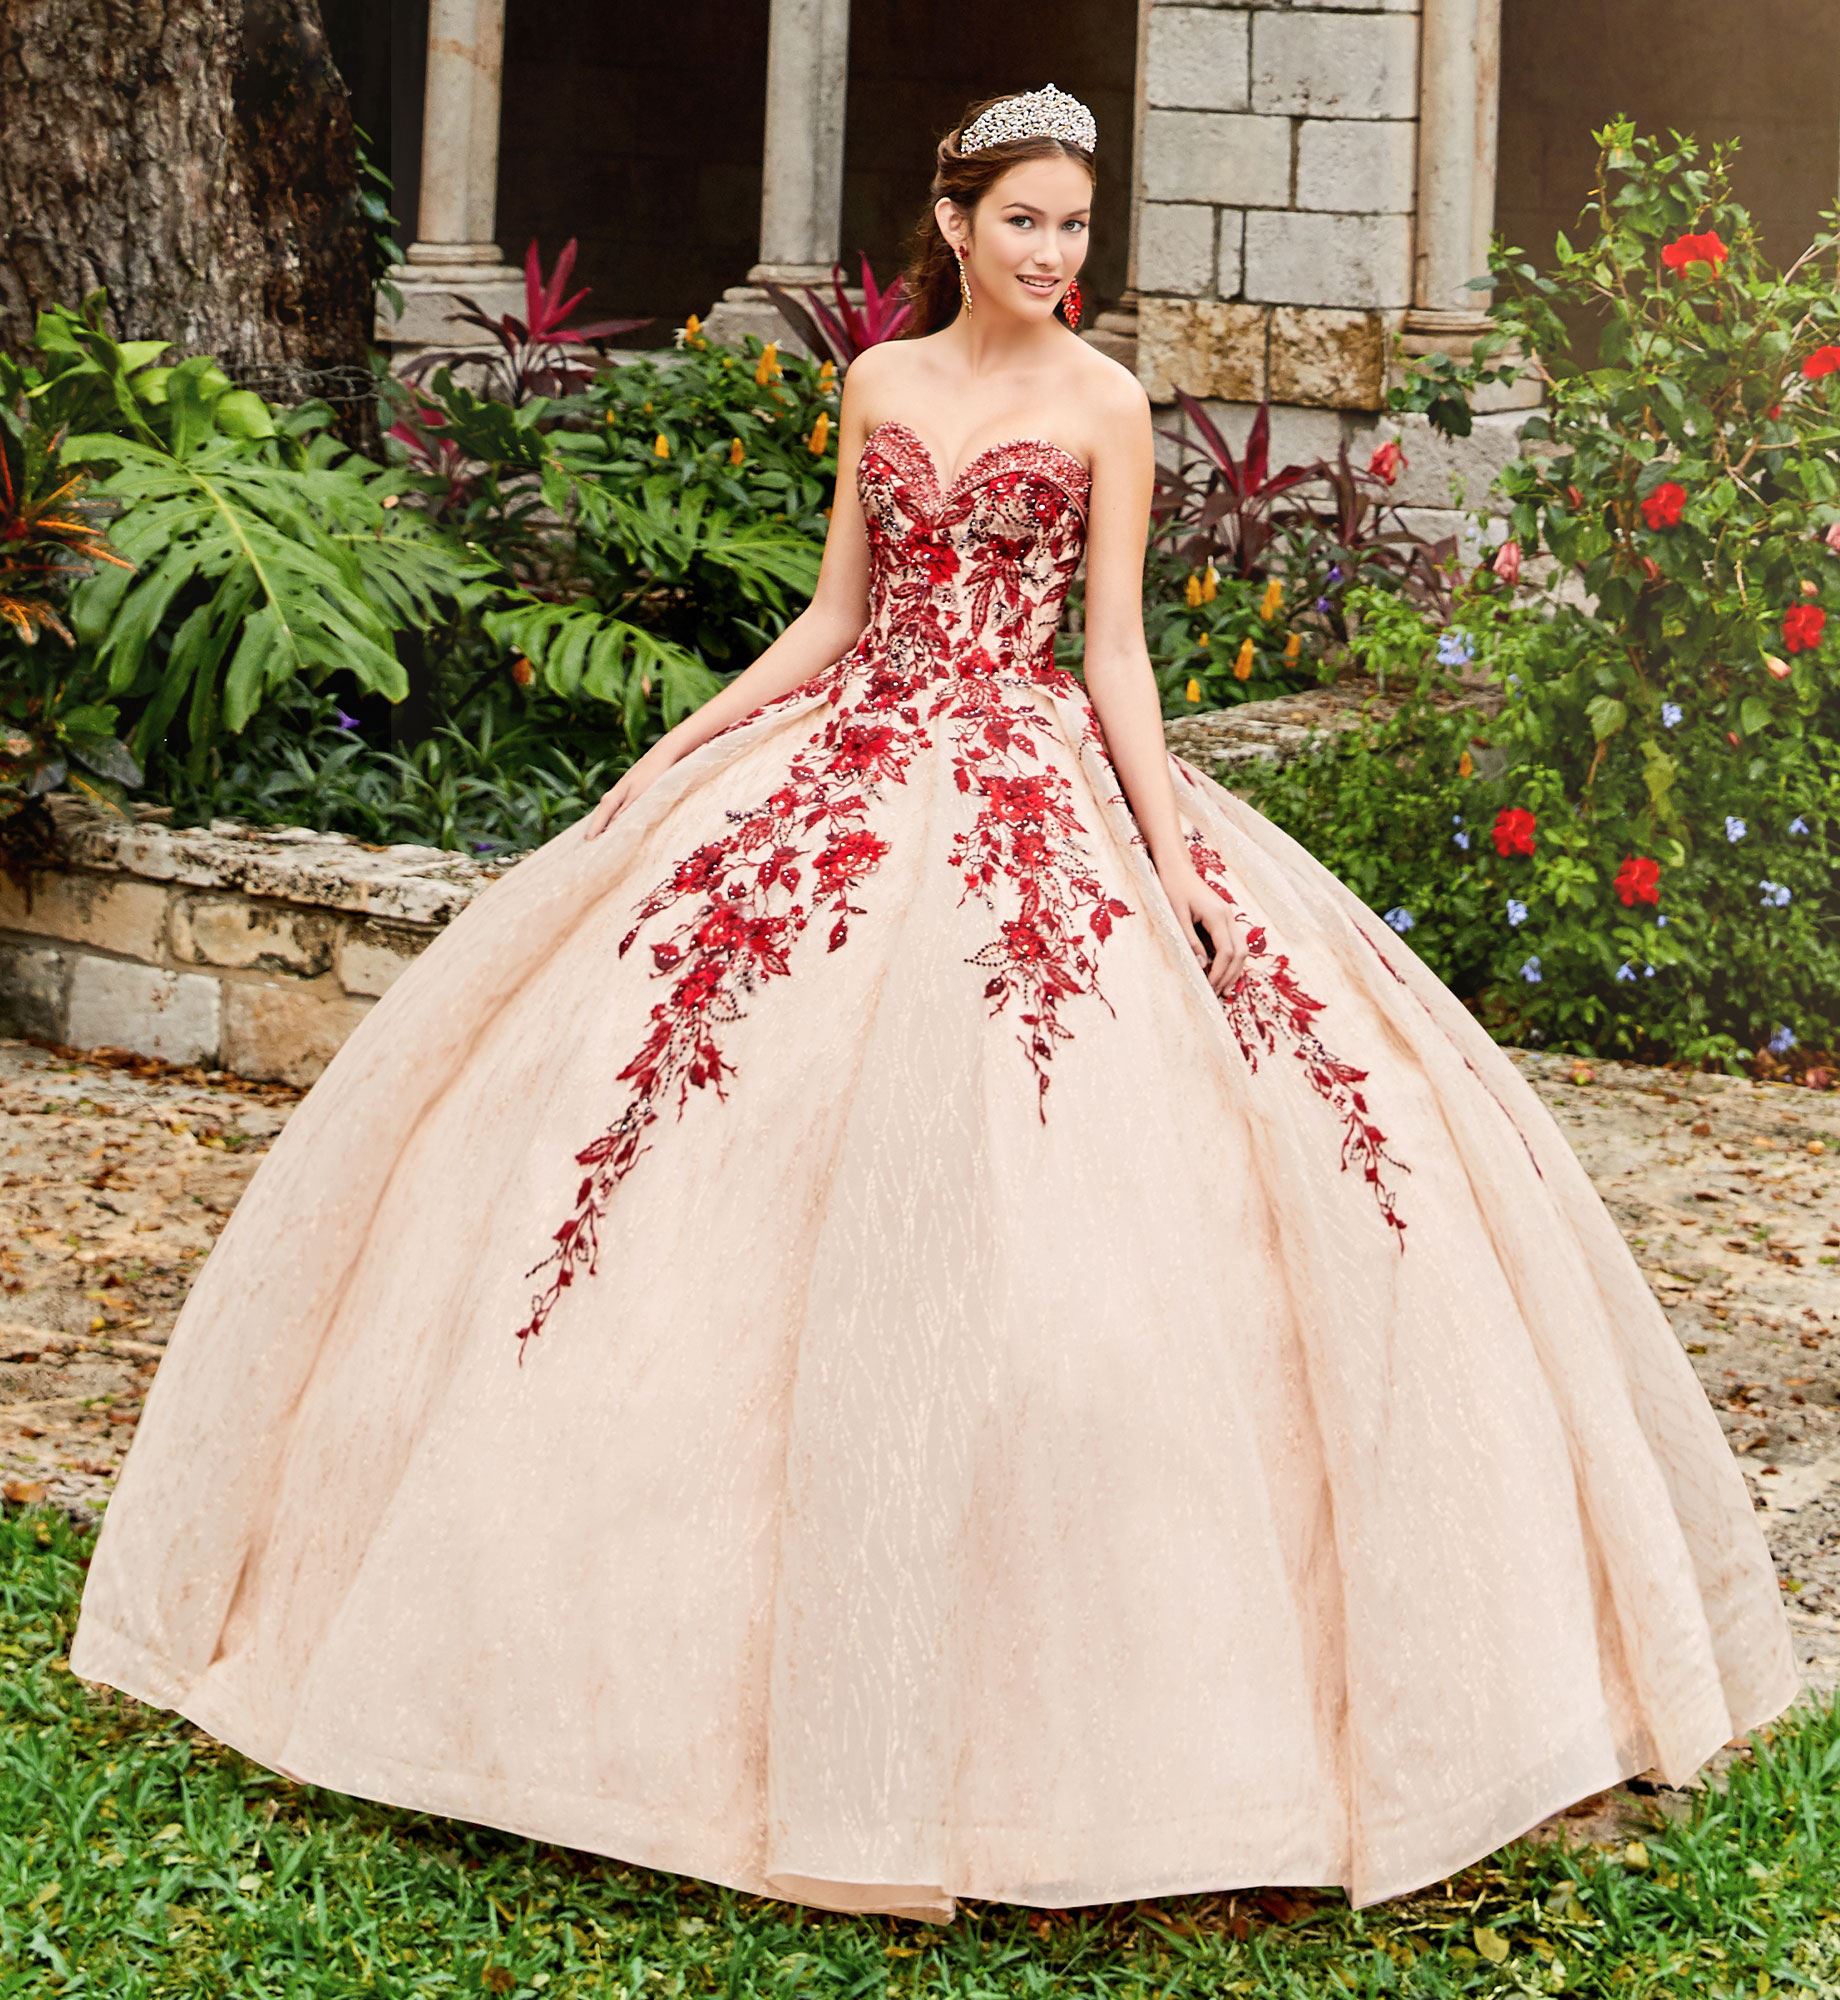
(1823, 361)
(1662, 508)
(1639, 879)
(1802, 626)
(1513, 830)
(1704, 248)
(1387, 460)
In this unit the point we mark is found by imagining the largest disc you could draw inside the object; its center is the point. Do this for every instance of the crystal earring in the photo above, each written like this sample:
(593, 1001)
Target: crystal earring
(1071, 300)
(964, 283)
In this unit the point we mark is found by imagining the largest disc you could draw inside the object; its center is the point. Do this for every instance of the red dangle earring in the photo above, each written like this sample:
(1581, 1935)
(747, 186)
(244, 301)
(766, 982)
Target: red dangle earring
(1071, 300)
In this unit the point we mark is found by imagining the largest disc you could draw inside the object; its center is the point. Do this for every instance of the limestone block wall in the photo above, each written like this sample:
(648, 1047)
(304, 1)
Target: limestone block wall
(252, 949)
(1274, 236)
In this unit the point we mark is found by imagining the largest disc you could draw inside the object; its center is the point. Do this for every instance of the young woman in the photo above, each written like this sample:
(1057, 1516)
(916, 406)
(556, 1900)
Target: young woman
(924, 1305)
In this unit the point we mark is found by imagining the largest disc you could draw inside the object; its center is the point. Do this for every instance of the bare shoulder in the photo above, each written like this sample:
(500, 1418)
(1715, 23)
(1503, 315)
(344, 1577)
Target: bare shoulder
(875, 379)
(1117, 409)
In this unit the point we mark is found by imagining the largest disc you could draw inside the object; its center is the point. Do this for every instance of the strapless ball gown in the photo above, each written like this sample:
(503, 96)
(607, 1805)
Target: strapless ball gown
(802, 1344)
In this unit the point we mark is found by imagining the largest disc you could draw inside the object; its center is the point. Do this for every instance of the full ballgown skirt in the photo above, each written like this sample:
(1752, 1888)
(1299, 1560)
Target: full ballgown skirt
(1033, 1429)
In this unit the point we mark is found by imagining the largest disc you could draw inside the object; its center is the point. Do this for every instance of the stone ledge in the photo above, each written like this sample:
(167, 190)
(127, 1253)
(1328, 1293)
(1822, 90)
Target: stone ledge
(252, 948)
(1216, 740)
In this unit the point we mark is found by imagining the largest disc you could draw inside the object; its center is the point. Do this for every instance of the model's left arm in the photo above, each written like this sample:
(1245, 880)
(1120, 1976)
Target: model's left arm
(1121, 681)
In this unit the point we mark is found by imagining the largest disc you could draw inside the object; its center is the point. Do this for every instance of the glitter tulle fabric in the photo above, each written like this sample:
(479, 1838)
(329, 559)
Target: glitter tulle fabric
(802, 1344)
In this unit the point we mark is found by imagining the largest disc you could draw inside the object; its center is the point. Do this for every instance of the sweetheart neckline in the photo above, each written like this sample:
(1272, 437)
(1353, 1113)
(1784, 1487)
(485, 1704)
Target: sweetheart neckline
(944, 491)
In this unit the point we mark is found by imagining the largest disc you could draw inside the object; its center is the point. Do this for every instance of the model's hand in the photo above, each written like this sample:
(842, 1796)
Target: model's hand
(658, 759)
(1195, 903)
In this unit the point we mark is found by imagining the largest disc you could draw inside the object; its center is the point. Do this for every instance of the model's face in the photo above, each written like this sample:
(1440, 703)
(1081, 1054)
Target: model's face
(1030, 238)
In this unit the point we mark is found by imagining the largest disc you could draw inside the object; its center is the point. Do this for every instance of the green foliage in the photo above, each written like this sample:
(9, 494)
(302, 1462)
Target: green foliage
(1554, 946)
(263, 553)
(1215, 640)
(655, 526)
(56, 725)
(1683, 489)
(502, 784)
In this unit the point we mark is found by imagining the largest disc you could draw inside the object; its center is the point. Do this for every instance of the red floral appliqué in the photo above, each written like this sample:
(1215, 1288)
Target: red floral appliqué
(1025, 839)
(745, 914)
(964, 598)
(1267, 1003)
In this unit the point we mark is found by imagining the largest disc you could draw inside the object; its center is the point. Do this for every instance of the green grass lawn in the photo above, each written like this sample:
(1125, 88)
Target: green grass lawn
(138, 1857)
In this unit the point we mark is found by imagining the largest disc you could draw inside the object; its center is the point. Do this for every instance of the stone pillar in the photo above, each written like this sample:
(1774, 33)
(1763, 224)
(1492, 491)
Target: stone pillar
(1458, 117)
(455, 246)
(801, 196)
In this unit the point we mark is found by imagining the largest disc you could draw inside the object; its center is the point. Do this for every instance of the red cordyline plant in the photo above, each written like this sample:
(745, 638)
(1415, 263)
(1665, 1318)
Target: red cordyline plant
(1326, 519)
(540, 354)
(1220, 508)
(845, 332)
(52, 714)
(433, 450)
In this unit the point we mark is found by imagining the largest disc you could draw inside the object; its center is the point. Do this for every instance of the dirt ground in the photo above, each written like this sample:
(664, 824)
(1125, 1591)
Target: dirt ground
(116, 1173)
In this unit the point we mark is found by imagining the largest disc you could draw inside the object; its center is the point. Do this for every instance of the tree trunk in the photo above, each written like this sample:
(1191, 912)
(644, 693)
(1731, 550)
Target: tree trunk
(196, 158)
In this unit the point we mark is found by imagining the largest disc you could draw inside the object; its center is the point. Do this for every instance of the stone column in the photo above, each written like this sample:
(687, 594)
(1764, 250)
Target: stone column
(801, 196)
(455, 247)
(1458, 117)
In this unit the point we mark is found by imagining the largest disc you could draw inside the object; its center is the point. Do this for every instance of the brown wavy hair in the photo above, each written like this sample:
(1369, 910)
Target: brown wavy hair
(930, 270)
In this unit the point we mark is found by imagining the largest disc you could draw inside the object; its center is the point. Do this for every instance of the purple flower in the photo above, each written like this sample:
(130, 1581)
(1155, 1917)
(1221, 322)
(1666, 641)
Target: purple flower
(1462, 839)
(1625, 970)
(1399, 917)
(1517, 912)
(1782, 1041)
(1798, 824)
(1670, 713)
(344, 721)
(1734, 827)
(1774, 892)
(1531, 970)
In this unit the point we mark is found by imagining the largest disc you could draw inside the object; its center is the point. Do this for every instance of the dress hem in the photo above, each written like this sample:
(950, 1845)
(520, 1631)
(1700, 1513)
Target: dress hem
(112, 1659)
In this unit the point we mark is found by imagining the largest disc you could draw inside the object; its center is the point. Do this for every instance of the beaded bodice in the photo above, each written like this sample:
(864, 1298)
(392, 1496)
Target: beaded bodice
(970, 579)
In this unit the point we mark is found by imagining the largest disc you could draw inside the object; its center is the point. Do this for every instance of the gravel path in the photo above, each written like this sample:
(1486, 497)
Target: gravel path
(115, 1175)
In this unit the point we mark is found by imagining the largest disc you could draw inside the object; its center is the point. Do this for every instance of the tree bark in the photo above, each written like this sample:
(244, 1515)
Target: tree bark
(197, 158)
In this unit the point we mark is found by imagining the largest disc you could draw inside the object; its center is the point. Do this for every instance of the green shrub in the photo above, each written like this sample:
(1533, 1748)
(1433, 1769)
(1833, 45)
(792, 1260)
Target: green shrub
(259, 553)
(1678, 733)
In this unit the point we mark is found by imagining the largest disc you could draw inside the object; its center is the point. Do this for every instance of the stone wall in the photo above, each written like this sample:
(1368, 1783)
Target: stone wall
(1274, 237)
(250, 949)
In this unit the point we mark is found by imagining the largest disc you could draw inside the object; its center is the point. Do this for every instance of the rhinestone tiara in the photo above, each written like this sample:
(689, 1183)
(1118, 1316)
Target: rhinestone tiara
(1046, 113)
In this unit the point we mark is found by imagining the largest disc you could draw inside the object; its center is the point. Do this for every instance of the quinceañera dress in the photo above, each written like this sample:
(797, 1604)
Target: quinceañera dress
(802, 1344)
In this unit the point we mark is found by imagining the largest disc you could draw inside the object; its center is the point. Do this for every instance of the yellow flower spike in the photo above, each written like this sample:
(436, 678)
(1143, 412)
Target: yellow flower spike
(1273, 598)
(1204, 638)
(1210, 583)
(1292, 647)
(827, 372)
(820, 434)
(648, 406)
(768, 365)
(1242, 665)
(1192, 692)
(691, 331)
(1191, 590)
(1465, 765)
(735, 452)
(661, 446)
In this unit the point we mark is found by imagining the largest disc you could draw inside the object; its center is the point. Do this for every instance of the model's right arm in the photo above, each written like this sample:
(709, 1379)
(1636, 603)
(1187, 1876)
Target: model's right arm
(829, 625)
